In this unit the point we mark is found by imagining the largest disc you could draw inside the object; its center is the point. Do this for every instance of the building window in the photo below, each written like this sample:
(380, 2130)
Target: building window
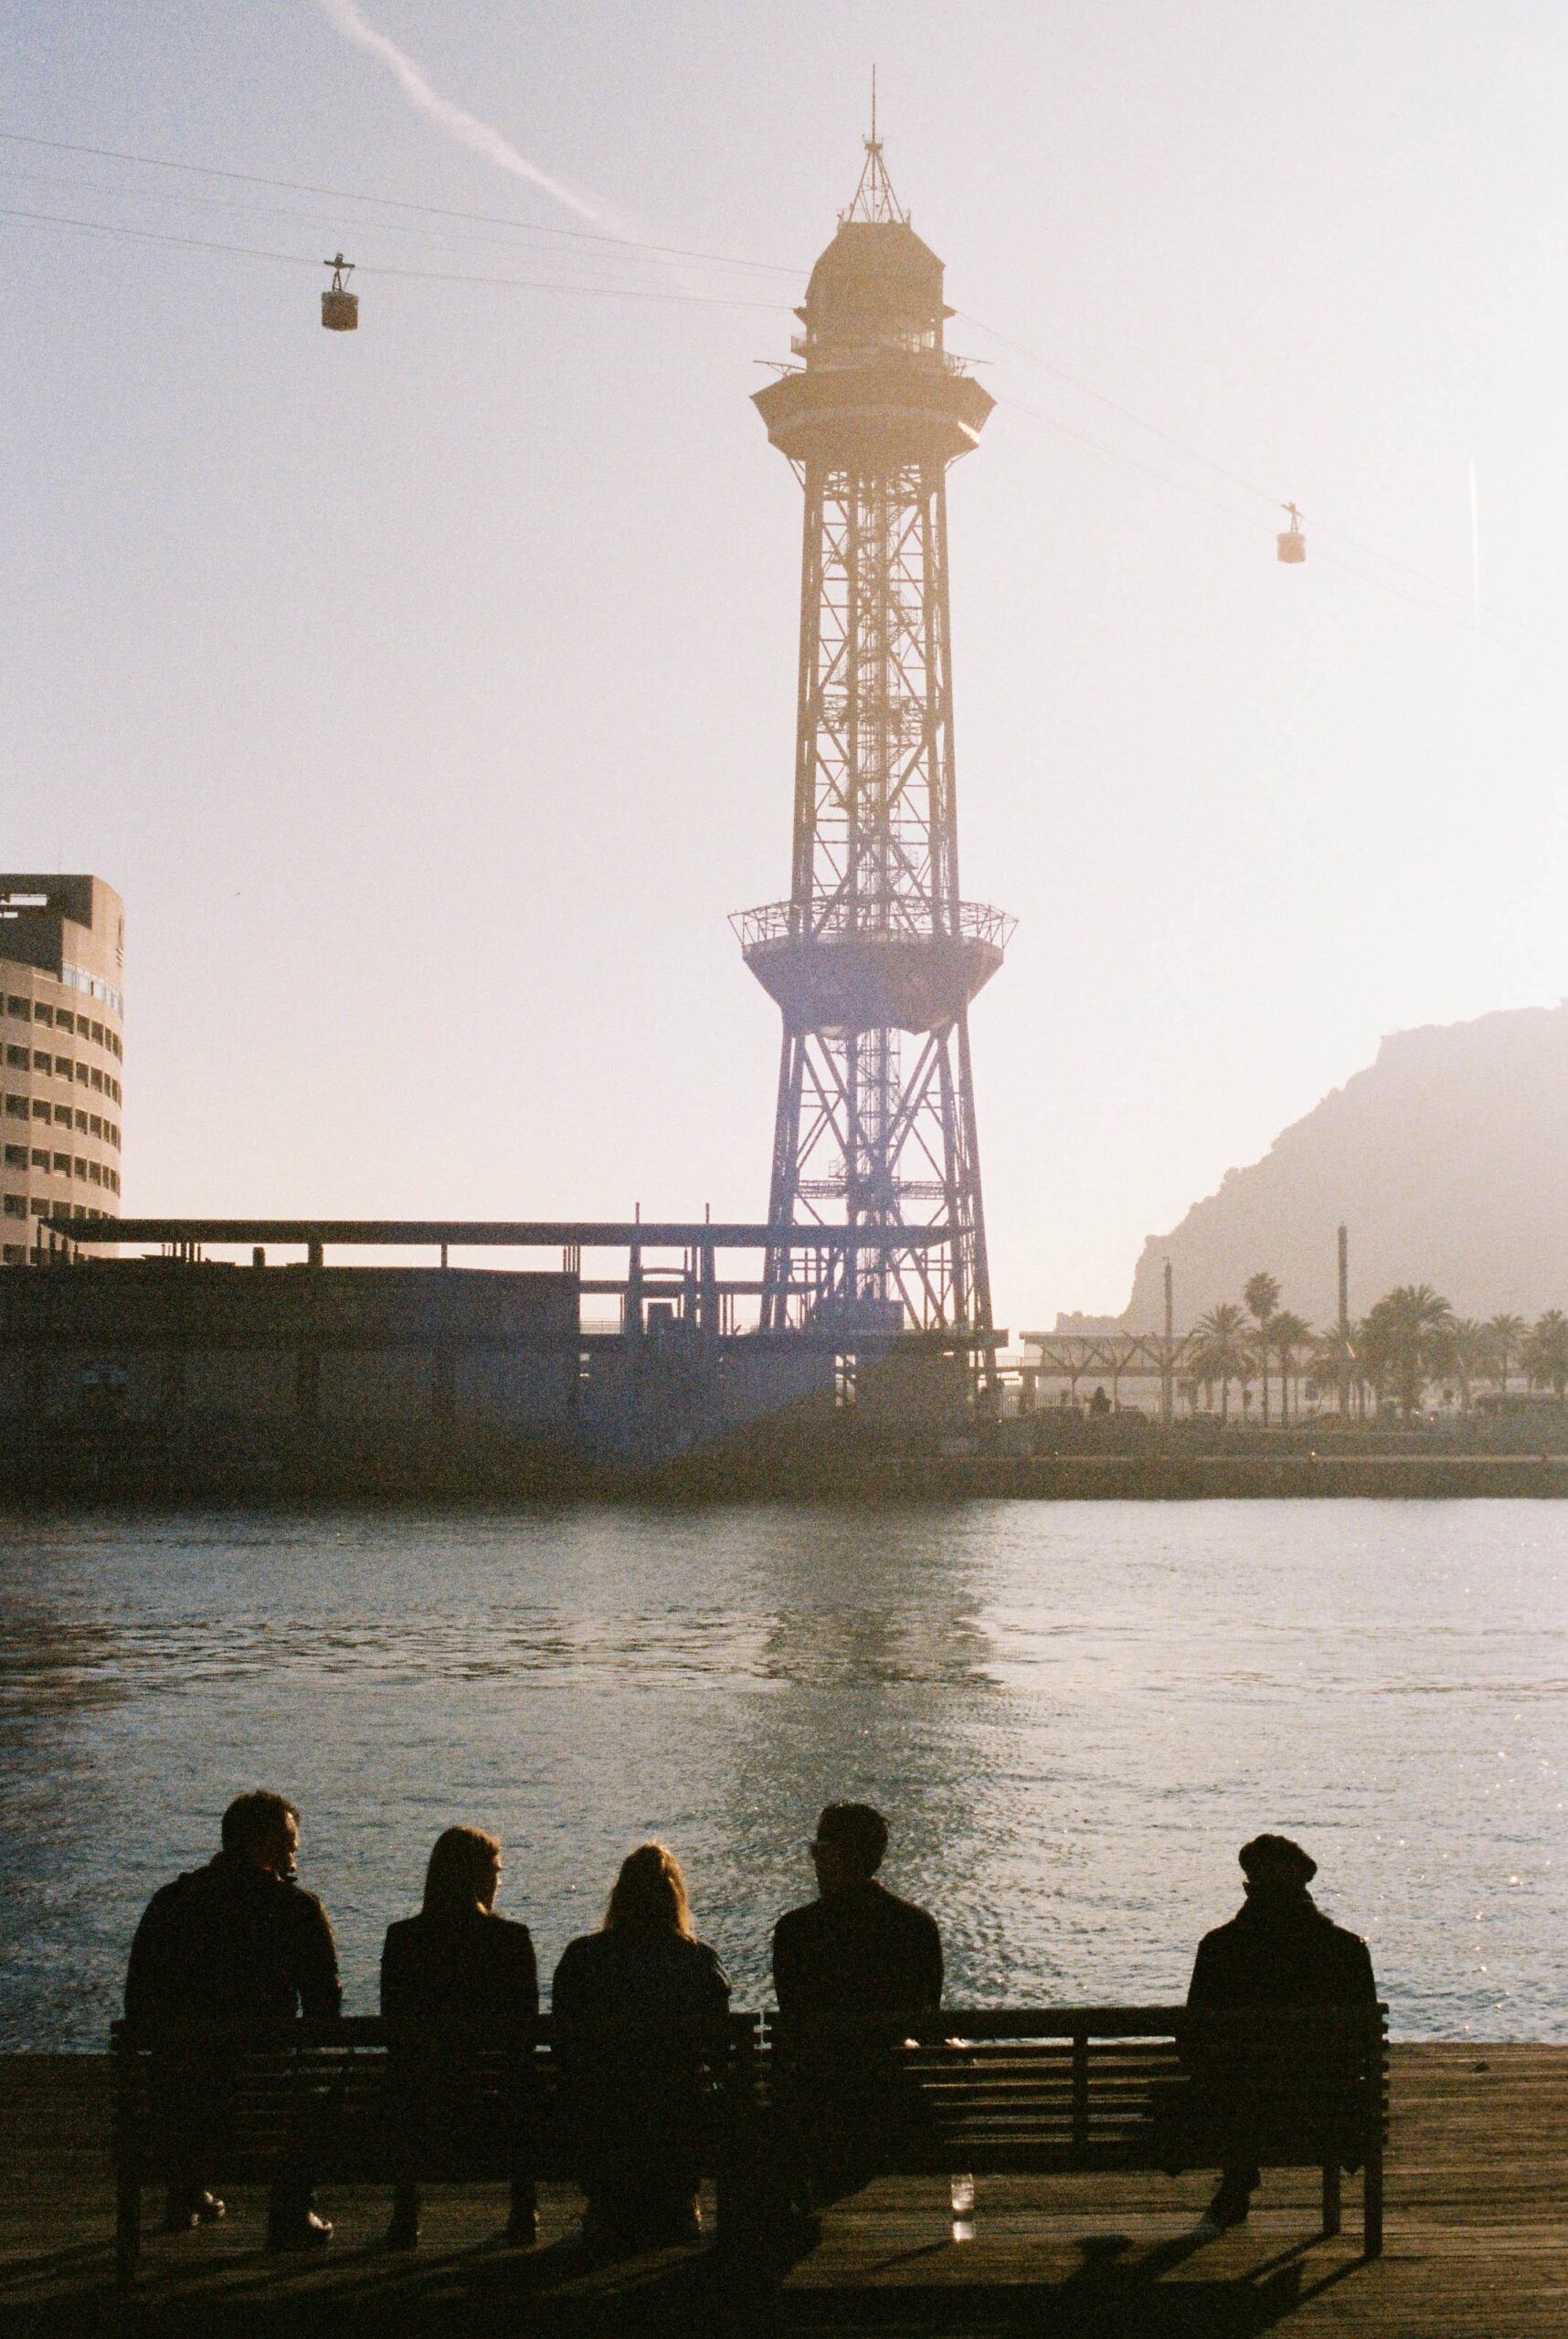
(111, 1178)
(39, 1209)
(41, 1014)
(63, 1165)
(113, 1087)
(97, 1030)
(40, 1158)
(82, 1073)
(112, 1134)
(15, 1157)
(17, 1059)
(94, 1125)
(15, 1205)
(62, 1113)
(13, 1254)
(42, 1062)
(81, 1168)
(14, 1006)
(95, 1173)
(17, 1107)
(97, 1078)
(81, 1122)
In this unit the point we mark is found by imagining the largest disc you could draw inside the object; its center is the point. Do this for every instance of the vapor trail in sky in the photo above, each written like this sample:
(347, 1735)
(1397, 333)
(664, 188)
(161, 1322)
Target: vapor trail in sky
(455, 119)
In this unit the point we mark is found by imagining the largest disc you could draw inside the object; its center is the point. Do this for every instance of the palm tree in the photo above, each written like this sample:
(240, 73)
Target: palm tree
(1504, 1341)
(1261, 1294)
(1222, 1349)
(1336, 1365)
(1545, 1357)
(1400, 1331)
(1467, 1350)
(1287, 1333)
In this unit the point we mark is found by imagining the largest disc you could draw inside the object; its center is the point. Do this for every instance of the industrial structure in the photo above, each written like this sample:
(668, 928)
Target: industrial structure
(62, 953)
(874, 957)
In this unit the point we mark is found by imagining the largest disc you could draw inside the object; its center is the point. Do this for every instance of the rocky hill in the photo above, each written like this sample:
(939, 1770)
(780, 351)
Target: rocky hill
(1447, 1159)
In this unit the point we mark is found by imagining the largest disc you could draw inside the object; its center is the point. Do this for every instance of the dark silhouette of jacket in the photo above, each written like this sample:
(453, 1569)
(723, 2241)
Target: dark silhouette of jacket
(861, 1950)
(232, 1942)
(451, 1976)
(1280, 1950)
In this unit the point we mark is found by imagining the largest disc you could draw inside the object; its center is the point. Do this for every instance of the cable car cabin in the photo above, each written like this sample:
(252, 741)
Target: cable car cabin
(340, 307)
(1292, 543)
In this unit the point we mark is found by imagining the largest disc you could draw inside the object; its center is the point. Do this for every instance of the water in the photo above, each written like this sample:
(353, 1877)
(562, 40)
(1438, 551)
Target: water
(1075, 1713)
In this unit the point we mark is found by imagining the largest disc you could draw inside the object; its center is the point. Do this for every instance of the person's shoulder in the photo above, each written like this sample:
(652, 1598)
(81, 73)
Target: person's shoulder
(907, 1913)
(806, 1919)
(586, 1950)
(510, 1935)
(401, 1935)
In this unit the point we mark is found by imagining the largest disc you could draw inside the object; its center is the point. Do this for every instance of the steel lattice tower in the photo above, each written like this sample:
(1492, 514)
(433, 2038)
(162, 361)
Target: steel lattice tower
(874, 957)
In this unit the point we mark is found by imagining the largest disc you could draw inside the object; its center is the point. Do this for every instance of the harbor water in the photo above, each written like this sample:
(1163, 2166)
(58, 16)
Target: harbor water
(1073, 1712)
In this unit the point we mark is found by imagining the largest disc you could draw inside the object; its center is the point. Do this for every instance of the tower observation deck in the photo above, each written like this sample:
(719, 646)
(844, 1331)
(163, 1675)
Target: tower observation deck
(874, 957)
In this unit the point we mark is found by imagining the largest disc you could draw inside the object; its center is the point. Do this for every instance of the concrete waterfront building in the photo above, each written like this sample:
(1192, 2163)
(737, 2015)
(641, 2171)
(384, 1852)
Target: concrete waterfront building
(62, 949)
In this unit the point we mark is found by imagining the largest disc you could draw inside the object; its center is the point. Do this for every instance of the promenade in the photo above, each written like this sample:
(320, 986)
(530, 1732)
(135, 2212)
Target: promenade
(1477, 2243)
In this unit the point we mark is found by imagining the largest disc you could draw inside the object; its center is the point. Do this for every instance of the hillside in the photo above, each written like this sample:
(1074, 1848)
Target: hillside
(1447, 1159)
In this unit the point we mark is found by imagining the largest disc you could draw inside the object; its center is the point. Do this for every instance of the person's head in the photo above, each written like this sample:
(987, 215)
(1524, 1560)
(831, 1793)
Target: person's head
(264, 1830)
(847, 1849)
(1274, 1864)
(463, 1873)
(649, 1895)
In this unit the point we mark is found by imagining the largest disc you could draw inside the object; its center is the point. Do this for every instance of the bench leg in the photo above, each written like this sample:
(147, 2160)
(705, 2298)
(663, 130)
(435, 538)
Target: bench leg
(1331, 2214)
(1372, 2203)
(127, 2228)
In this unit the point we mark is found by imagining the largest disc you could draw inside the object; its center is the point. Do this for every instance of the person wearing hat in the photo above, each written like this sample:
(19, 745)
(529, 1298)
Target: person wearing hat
(1278, 1950)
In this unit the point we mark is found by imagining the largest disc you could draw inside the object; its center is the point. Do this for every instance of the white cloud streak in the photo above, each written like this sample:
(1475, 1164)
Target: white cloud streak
(455, 119)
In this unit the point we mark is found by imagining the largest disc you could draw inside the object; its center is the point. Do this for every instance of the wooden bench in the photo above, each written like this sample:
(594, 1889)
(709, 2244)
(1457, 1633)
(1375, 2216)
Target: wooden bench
(1074, 2090)
(329, 2103)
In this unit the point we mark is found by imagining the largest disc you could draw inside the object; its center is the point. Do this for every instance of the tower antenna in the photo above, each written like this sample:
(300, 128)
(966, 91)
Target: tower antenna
(873, 198)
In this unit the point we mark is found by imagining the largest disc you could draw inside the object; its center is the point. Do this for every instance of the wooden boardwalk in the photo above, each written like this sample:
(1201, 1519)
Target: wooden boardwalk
(1477, 2244)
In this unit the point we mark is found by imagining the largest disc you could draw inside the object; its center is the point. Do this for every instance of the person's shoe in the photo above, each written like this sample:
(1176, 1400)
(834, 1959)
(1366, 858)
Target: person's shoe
(183, 2212)
(298, 2235)
(522, 2229)
(1229, 2207)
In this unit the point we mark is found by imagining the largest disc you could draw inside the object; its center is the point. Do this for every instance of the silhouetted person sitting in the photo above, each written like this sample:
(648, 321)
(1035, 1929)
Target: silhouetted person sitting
(1278, 1951)
(618, 1999)
(235, 1941)
(856, 1951)
(857, 1948)
(457, 1980)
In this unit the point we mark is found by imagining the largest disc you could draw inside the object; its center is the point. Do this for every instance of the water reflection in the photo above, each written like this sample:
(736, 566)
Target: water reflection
(1074, 1714)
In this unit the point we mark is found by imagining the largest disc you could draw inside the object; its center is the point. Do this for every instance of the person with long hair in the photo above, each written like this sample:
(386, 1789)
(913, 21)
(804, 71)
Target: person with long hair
(460, 1994)
(624, 2000)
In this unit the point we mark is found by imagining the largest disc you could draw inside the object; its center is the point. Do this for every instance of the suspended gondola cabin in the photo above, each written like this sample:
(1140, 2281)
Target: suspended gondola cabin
(1292, 543)
(340, 307)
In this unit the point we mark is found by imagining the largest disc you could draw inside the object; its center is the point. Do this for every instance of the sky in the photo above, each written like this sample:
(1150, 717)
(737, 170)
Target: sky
(429, 693)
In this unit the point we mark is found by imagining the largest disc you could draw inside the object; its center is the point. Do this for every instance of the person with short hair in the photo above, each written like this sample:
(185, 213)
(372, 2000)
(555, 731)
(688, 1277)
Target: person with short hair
(618, 2001)
(857, 1948)
(236, 1941)
(1278, 1951)
(857, 1951)
(457, 1979)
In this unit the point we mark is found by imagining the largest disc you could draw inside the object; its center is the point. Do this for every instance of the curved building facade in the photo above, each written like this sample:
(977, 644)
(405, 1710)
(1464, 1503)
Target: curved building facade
(62, 1053)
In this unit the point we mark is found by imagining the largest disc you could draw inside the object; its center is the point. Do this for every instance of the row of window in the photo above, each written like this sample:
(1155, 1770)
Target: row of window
(78, 979)
(15, 1254)
(92, 1173)
(63, 1019)
(63, 1068)
(61, 1164)
(19, 1205)
(22, 1108)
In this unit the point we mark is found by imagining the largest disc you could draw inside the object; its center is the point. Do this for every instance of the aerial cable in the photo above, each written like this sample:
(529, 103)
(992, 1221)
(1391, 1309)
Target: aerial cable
(394, 203)
(425, 275)
(1249, 486)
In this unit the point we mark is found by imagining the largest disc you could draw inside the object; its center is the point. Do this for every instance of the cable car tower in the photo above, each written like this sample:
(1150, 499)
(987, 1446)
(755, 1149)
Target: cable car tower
(874, 957)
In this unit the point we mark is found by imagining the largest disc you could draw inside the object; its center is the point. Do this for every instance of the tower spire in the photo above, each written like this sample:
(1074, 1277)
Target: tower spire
(873, 198)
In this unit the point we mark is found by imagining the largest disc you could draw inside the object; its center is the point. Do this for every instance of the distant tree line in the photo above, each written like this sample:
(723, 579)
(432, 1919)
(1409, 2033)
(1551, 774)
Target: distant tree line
(1408, 1342)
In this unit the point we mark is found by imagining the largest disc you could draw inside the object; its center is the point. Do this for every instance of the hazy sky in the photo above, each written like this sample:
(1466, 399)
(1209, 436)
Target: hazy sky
(429, 693)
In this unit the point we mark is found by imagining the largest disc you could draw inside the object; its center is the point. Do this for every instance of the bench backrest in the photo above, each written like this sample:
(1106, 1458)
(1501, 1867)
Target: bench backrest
(252, 2097)
(1085, 2087)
